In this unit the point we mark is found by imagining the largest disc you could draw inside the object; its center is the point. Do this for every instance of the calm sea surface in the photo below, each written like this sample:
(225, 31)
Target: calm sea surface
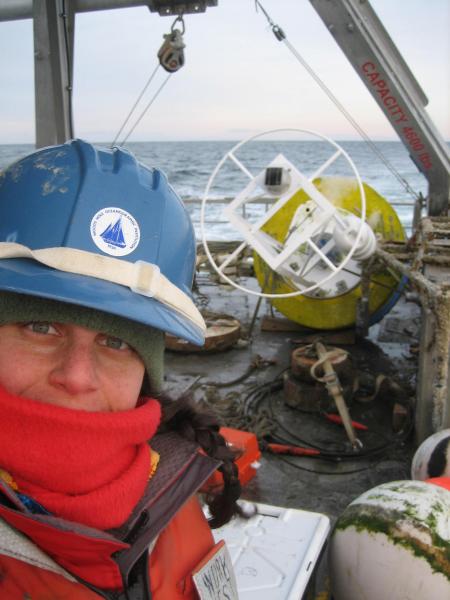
(188, 166)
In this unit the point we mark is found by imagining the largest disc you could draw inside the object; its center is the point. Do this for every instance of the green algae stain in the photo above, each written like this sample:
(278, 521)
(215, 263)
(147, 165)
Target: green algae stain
(373, 520)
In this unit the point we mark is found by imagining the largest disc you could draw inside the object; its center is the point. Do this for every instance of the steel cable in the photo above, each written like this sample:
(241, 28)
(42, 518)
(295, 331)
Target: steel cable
(280, 35)
(141, 116)
(150, 79)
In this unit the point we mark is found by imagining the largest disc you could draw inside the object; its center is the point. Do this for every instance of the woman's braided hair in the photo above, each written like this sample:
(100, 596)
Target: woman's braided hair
(201, 426)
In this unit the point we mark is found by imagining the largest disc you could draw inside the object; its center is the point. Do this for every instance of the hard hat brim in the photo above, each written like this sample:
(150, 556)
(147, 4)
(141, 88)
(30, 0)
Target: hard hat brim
(27, 277)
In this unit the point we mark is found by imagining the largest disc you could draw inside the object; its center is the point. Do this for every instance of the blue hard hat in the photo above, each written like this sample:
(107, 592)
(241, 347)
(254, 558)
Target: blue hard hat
(103, 202)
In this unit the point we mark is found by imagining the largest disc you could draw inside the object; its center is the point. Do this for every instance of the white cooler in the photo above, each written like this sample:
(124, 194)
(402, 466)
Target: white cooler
(275, 552)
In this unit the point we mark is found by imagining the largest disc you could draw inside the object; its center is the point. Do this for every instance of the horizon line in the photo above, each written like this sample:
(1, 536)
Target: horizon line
(158, 141)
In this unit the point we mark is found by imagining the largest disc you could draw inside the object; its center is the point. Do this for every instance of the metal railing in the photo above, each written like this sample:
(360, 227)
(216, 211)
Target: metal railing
(265, 202)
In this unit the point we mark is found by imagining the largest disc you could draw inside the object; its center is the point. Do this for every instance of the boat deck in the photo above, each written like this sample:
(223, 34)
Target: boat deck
(256, 401)
(309, 483)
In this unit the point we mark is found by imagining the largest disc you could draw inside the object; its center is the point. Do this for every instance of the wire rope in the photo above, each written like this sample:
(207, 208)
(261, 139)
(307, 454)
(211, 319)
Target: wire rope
(141, 116)
(133, 108)
(281, 36)
(172, 40)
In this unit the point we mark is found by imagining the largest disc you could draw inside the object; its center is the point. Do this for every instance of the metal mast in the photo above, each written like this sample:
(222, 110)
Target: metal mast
(53, 29)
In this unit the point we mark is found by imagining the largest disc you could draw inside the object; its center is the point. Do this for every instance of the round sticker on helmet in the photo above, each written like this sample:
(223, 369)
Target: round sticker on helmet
(115, 231)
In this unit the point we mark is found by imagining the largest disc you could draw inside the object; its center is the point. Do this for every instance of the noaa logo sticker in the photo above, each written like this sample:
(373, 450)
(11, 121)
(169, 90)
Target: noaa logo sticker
(115, 231)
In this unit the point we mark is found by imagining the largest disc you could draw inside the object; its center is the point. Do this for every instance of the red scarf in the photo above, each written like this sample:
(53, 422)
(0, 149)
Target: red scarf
(89, 467)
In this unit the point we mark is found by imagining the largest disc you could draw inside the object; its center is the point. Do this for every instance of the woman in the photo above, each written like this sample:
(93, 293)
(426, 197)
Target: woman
(98, 471)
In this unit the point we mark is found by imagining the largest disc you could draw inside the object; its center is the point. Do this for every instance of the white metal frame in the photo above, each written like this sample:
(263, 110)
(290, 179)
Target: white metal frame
(268, 248)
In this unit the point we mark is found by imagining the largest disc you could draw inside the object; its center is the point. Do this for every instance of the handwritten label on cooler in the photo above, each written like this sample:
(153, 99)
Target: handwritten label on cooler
(214, 577)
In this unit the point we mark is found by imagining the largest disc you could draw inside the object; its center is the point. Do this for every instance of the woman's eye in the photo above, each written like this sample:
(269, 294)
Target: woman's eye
(114, 343)
(41, 327)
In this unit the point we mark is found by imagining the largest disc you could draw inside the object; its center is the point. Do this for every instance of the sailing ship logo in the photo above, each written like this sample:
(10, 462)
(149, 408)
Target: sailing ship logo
(115, 231)
(113, 234)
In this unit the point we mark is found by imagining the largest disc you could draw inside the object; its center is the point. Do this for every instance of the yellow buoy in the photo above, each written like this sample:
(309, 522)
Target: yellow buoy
(335, 308)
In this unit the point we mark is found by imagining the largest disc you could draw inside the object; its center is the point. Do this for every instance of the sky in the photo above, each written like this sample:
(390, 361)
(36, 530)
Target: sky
(238, 80)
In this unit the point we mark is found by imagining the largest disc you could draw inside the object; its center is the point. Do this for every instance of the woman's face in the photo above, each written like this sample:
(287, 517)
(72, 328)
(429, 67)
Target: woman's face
(69, 366)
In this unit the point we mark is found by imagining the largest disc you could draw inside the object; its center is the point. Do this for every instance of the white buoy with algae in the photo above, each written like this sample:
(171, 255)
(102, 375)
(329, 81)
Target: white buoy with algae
(393, 543)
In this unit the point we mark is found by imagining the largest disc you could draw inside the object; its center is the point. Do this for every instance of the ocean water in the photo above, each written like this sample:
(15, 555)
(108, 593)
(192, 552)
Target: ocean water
(188, 166)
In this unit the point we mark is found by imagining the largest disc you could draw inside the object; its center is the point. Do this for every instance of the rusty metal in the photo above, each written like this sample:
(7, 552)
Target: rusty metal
(362, 308)
(421, 282)
(307, 397)
(425, 260)
(241, 266)
(222, 331)
(305, 357)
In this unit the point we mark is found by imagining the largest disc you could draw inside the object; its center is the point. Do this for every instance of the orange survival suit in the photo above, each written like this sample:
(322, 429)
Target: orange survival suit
(151, 556)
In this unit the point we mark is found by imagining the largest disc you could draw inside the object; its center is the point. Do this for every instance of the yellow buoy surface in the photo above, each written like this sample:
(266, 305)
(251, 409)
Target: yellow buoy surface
(338, 310)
